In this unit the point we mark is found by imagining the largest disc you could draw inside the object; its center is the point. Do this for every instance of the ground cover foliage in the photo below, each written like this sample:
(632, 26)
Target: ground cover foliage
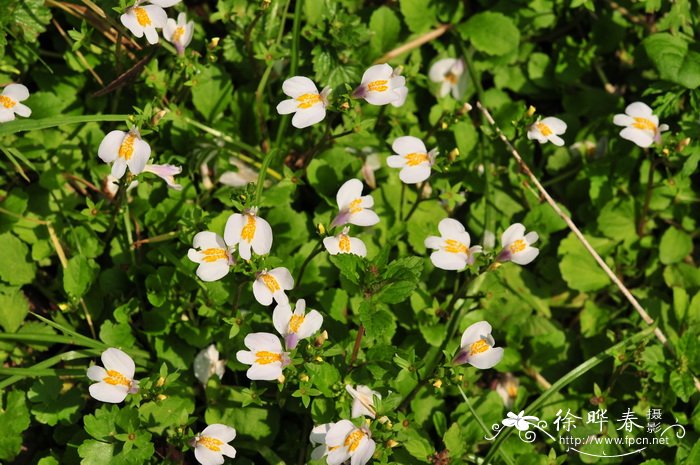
(86, 265)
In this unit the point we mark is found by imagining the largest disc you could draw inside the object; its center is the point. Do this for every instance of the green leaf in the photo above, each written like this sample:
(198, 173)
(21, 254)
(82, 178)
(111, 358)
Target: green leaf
(15, 268)
(101, 425)
(78, 276)
(377, 322)
(30, 17)
(50, 404)
(419, 15)
(350, 266)
(675, 246)
(385, 26)
(13, 308)
(616, 220)
(212, 92)
(673, 60)
(578, 268)
(491, 33)
(682, 384)
(95, 452)
(61, 120)
(14, 419)
(454, 441)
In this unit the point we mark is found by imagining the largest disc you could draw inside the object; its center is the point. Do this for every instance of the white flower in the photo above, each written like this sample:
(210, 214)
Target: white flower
(507, 389)
(297, 325)
(210, 445)
(111, 186)
(269, 285)
(345, 442)
(207, 364)
(179, 33)
(166, 173)
(212, 254)
(452, 248)
(342, 243)
(124, 149)
(516, 245)
(243, 176)
(520, 421)
(307, 104)
(477, 347)
(248, 230)
(381, 85)
(266, 356)
(354, 208)
(9, 102)
(318, 436)
(372, 163)
(450, 73)
(142, 20)
(115, 380)
(362, 400)
(641, 125)
(413, 158)
(547, 130)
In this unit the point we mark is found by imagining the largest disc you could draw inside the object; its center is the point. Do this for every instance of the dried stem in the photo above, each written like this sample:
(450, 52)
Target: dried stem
(577, 232)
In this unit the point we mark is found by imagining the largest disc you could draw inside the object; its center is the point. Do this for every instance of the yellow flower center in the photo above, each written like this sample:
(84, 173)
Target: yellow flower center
(378, 86)
(544, 129)
(344, 243)
(214, 254)
(126, 150)
(6, 101)
(355, 206)
(249, 229)
(512, 390)
(352, 441)
(142, 16)
(212, 444)
(454, 246)
(644, 124)
(178, 33)
(115, 378)
(451, 78)
(295, 323)
(270, 282)
(308, 100)
(478, 347)
(415, 159)
(517, 246)
(264, 357)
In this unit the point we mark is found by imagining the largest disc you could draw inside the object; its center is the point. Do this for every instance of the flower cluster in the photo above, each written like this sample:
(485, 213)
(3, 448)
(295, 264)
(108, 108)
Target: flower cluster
(144, 19)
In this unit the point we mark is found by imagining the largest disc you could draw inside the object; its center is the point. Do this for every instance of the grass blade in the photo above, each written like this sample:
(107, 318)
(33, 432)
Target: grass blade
(35, 124)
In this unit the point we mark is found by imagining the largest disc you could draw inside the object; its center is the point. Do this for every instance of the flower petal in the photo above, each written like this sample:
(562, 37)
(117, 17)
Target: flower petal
(268, 372)
(206, 456)
(312, 323)
(299, 85)
(514, 232)
(96, 373)
(640, 137)
(115, 359)
(288, 106)
(440, 68)
(526, 256)
(408, 144)
(221, 432)
(213, 271)
(306, 117)
(448, 261)
(415, 174)
(112, 394)
(364, 218)
(475, 332)
(349, 191)
(486, 359)
(280, 318)
(109, 147)
(16, 92)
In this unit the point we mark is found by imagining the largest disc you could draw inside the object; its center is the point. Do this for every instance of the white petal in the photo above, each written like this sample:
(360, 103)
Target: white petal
(396, 161)
(376, 73)
(309, 116)
(318, 433)
(96, 373)
(445, 88)
(157, 15)
(245, 357)
(486, 359)
(115, 359)
(337, 433)
(514, 232)
(165, 3)
(448, 261)
(280, 318)
(299, 85)
(6, 115)
(206, 456)
(381, 98)
(337, 456)
(525, 256)
(408, 144)
(349, 191)
(16, 92)
(639, 110)
(556, 140)
(109, 147)
(263, 341)
(415, 174)
(287, 106)
(358, 247)
(138, 160)
(169, 29)
(234, 227)
(440, 68)
(213, 271)
(332, 245)
(118, 168)
(312, 323)
(555, 124)
(228, 450)
(531, 237)
(364, 452)
(433, 242)
(284, 277)
(473, 333)
(638, 136)
(208, 240)
(221, 432)
(261, 292)
(22, 110)
(451, 228)
(364, 218)
(262, 239)
(151, 34)
(130, 22)
(268, 372)
(109, 393)
(623, 120)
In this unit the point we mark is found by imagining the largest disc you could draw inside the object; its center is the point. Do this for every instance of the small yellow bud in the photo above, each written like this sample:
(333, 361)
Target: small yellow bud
(383, 419)
(531, 110)
(444, 125)
(344, 106)
(391, 443)
(319, 359)
(63, 306)
(214, 42)
(682, 144)
(321, 338)
(460, 378)
(467, 107)
(281, 379)
(304, 377)
(454, 153)
(162, 397)
(321, 228)
(665, 152)
(437, 384)
(160, 382)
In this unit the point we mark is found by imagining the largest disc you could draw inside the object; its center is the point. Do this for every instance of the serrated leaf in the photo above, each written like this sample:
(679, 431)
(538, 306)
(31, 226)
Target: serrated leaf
(78, 276)
(675, 245)
(491, 33)
(15, 267)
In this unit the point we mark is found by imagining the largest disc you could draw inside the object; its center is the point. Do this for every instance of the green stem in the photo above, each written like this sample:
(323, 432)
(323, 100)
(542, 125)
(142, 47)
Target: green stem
(308, 259)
